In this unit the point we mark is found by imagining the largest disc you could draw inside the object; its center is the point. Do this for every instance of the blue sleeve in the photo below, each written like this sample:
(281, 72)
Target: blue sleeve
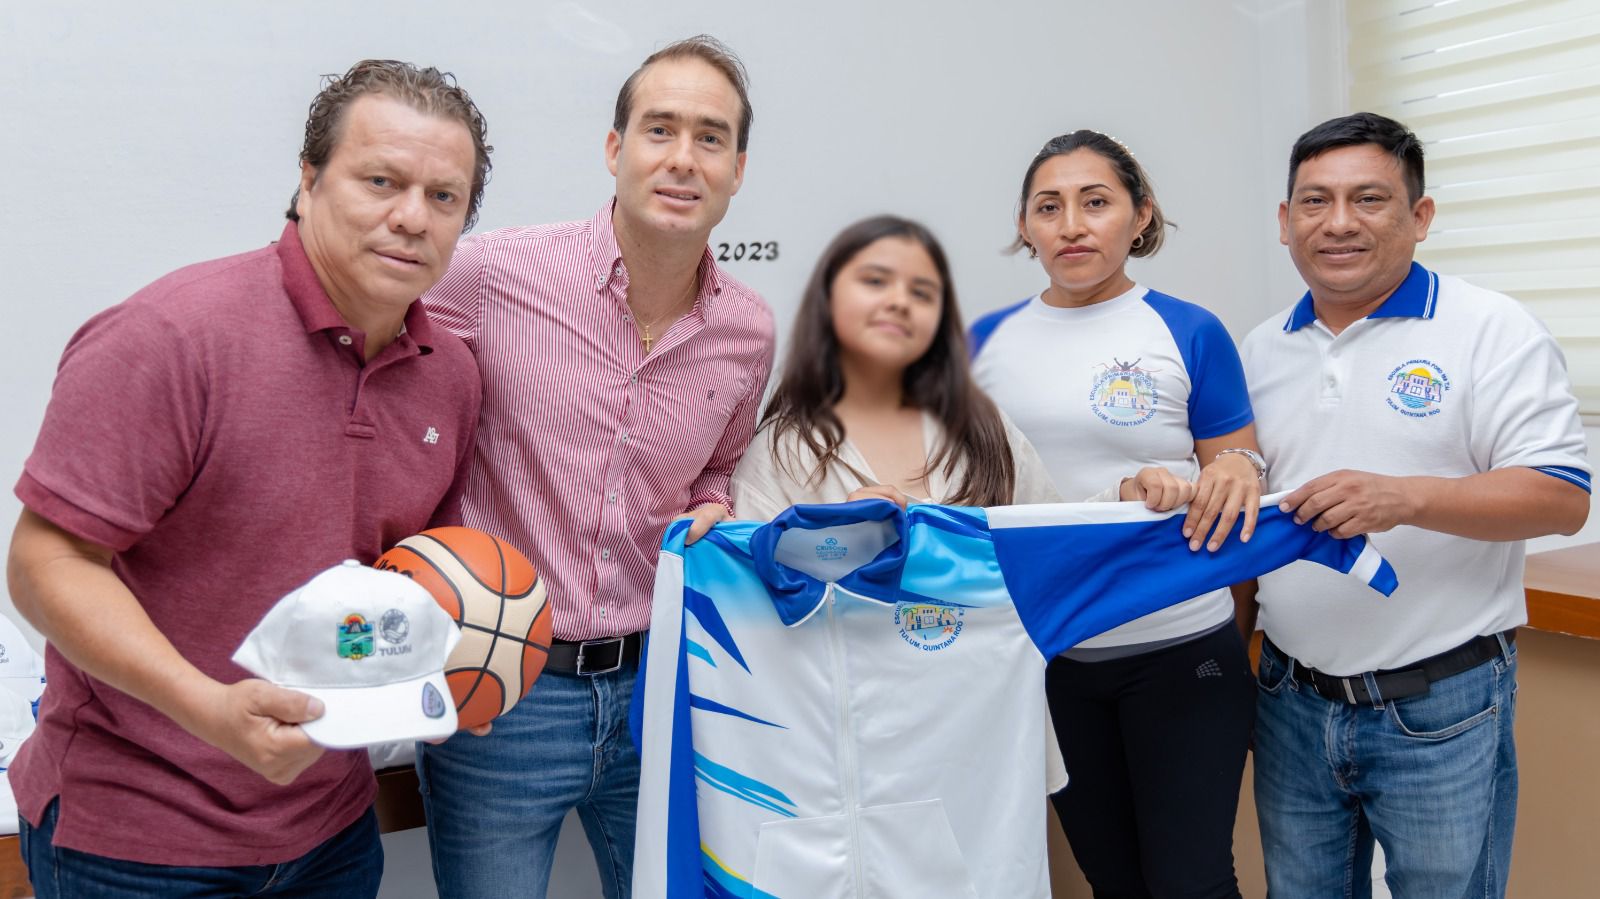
(984, 328)
(1219, 401)
(1575, 476)
(1075, 580)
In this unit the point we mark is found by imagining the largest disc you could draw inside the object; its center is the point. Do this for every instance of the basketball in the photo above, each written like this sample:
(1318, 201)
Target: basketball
(497, 598)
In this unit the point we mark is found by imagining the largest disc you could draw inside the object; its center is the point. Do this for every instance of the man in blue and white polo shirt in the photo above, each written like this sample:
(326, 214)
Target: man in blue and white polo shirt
(1437, 416)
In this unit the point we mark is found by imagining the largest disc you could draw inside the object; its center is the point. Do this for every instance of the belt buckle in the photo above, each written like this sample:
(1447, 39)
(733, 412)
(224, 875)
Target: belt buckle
(585, 646)
(1339, 689)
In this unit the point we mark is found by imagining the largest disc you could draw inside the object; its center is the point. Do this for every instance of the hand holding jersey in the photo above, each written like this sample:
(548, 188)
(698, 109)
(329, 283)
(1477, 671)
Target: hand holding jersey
(1221, 496)
(1228, 490)
(702, 517)
(1158, 488)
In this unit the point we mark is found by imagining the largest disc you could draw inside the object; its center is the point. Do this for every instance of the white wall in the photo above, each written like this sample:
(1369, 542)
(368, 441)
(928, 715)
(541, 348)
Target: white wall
(153, 135)
(142, 137)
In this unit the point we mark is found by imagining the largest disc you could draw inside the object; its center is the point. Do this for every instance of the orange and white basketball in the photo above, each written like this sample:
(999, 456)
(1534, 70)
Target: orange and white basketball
(497, 598)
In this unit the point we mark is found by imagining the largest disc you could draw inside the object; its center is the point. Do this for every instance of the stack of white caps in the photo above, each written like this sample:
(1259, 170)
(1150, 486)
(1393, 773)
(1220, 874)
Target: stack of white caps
(21, 669)
(16, 723)
(372, 645)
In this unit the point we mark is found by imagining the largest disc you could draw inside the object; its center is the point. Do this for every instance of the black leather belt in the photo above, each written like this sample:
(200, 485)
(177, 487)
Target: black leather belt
(1399, 683)
(590, 657)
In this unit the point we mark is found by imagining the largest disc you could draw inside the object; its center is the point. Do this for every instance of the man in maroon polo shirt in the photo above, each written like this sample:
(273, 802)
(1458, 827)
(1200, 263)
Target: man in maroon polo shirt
(210, 444)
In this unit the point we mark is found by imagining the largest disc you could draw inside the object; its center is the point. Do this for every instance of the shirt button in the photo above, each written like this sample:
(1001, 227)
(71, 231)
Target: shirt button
(634, 378)
(624, 436)
(618, 269)
(611, 497)
(602, 613)
(345, 339)
(605, 553)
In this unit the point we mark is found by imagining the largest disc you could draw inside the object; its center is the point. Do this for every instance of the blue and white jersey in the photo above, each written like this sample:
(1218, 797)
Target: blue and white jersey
(1107, 389)
(845, 701)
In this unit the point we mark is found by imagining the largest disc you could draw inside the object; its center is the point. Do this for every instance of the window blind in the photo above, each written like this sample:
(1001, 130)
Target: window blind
(1506, 98)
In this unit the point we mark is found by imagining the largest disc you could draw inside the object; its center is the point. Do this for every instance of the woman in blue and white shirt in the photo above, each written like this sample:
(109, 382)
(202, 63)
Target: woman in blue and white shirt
(1105, 376)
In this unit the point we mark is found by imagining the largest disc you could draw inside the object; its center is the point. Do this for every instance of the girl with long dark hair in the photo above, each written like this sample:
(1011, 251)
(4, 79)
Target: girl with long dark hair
(875, 397)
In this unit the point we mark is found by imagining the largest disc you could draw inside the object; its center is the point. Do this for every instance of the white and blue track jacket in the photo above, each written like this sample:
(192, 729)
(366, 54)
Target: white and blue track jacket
(846, 702)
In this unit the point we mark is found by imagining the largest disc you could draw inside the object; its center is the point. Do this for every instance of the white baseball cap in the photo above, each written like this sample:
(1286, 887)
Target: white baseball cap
(372, 645)
(21, 669)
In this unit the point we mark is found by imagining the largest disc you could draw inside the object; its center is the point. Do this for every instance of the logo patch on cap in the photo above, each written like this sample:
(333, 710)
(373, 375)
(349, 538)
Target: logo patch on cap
(432, 703)
(355, 637)
(394, 626)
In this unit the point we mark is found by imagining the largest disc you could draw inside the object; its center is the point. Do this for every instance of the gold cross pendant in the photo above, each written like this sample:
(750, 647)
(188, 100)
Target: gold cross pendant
(647, 341)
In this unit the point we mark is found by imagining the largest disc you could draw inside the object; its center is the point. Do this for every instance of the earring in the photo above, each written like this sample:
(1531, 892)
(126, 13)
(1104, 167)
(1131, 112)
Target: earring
(1033, 252)
(1138, 241)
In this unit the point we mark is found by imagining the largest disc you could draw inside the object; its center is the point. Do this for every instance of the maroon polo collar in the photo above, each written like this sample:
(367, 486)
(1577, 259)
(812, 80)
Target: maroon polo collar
(316, 311)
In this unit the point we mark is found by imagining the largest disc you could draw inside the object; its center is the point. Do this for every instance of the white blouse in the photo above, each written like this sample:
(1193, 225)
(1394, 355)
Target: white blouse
(762, 487)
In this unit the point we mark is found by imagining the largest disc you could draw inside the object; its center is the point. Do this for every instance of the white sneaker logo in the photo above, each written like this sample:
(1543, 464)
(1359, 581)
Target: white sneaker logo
(432, 436)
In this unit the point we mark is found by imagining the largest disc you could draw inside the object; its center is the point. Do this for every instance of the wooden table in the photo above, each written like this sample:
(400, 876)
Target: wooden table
(1563, 588)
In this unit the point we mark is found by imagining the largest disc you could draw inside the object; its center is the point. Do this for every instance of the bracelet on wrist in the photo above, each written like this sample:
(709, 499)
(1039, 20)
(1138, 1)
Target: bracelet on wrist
(1251, 456)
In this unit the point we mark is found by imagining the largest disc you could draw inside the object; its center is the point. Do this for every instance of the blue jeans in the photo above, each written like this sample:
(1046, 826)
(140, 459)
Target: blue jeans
(1432, 778)
(348, 864)
(495, 803)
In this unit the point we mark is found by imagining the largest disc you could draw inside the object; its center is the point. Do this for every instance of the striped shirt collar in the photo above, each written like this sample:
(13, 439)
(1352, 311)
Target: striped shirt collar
(606, 258)
(1416, 297)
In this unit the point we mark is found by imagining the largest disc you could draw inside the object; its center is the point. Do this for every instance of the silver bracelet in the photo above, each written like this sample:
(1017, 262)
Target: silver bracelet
(1256, 462)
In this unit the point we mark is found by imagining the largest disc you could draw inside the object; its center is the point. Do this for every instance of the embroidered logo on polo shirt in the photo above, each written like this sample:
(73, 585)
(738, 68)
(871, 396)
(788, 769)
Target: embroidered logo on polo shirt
(355, 637)
(1417, 388)
(1124, 394)
(927, 626)
(432, 436)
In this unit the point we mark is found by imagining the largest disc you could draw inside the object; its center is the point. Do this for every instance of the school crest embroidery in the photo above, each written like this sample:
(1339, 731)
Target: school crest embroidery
(1123, 394)
(1417, 388)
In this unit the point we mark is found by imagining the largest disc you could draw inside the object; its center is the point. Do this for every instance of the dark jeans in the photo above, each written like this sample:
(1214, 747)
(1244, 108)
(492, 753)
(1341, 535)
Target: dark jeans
(1155, 747)
(348, 865)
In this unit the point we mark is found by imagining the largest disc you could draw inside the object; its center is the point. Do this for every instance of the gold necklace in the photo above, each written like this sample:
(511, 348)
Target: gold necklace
(645, 338)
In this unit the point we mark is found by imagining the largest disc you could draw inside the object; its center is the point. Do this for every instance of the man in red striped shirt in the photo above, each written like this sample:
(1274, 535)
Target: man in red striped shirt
(622, 375)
